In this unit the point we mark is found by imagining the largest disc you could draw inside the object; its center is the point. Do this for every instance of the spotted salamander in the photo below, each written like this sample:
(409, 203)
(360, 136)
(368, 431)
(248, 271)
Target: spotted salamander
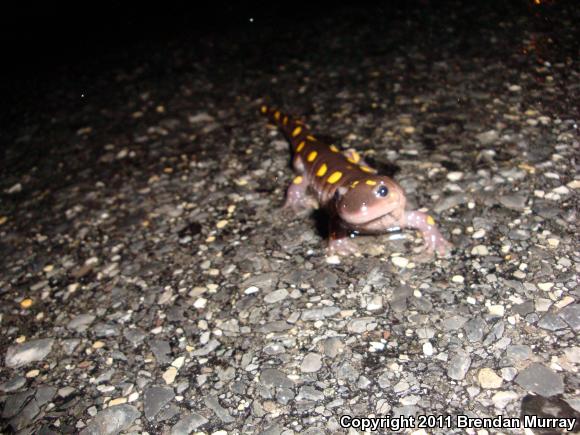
(357, 199)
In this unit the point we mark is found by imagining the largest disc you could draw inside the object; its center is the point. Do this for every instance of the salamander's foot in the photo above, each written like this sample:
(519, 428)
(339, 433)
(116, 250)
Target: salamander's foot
(435, 243)
(343, 246)
(299, 204)
(296, 197)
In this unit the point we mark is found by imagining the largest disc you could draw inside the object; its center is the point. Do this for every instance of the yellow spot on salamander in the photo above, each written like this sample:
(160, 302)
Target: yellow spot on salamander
(310, 137)
(333, 148)
(300, 146)
(264, 109)
(298, 179)
(366, 168)
(297, 131)
(354, 157)
(354, 183)
(371, 182)
(322, 170)
(312, 156)
(430, 220)
(277, 115)
(334, 177)
(285, 121)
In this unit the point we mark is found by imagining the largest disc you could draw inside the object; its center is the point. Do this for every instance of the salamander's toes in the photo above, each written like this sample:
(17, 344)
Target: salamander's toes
(298, 205)
(435, 246)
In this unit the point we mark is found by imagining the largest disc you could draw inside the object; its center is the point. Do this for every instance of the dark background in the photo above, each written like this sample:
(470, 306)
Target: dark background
(68, 46)
(38, 37)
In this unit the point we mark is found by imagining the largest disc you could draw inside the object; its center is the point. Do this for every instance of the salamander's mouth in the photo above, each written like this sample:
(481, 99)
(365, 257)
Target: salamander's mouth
(391, 218)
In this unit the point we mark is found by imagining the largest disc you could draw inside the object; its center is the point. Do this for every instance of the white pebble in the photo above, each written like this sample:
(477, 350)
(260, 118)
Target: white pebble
(480, 250)
(251, 289)
(401, 262)
(543, 304)
(562, 190)
(553, 242)
(333, 259)
(488, 379)
(200, 303)
(428, 349)
(455, 176)
(479, 234)
(169, 375)
(376, 303)
(496, 310)
(458, 279)
(222, 223)
(178, 362)
(545, 286)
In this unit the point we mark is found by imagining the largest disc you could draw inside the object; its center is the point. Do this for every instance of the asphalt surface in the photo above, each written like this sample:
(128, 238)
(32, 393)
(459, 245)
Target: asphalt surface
(151, 283)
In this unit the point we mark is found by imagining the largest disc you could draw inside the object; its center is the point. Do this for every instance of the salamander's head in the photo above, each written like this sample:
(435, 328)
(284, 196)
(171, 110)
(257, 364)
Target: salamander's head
(373, 204)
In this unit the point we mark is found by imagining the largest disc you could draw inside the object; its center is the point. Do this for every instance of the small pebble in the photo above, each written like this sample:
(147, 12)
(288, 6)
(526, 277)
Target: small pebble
(488, 379)
(401, 262)
(496, 310)
(200, 303)
(333, 259)
(169, 375)
(276, 296)
(480, 250)
(251, 289)
(479, 234)
(502, 398)
(311, 363)
(458, 366)
(455, 176)
(117, 401)
(26, 303)
(458, 279)
(545, 286)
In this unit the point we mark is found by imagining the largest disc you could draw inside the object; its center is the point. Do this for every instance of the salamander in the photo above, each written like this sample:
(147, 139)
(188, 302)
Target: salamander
(356, 197)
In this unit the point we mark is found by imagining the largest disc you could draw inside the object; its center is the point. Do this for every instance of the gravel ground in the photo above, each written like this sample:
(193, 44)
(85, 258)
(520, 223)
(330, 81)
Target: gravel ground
(150, 281)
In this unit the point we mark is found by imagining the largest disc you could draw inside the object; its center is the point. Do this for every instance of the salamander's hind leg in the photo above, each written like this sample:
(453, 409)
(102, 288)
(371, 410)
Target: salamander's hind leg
(354, 157)
(339, 241)
(297, 197)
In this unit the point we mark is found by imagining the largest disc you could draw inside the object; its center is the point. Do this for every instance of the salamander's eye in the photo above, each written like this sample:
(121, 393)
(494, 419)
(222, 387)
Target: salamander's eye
(382, 191)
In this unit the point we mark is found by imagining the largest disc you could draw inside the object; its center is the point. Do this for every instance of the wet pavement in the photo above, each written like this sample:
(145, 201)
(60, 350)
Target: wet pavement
(150, 281)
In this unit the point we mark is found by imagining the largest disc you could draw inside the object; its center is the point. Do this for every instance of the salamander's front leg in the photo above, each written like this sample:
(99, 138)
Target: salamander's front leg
(339, 241)
(434, 241)
(296, 197)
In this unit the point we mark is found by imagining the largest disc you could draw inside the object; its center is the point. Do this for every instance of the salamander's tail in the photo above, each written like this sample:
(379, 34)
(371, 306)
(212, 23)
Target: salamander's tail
(293, 128)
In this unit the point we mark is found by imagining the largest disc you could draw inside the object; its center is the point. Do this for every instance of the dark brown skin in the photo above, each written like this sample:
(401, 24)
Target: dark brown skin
(354, 195)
